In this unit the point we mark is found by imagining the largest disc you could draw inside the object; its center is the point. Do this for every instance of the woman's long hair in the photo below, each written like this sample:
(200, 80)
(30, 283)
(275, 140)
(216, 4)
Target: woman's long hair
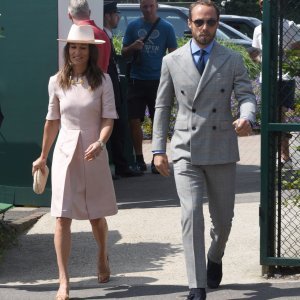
(93, 73)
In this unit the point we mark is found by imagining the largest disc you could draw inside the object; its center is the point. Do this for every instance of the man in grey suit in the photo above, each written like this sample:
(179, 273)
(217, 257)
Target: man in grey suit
(204, 144)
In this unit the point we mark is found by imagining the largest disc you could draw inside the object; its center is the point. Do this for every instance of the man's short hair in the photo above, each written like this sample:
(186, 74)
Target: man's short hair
(79, 9)
(205, 3)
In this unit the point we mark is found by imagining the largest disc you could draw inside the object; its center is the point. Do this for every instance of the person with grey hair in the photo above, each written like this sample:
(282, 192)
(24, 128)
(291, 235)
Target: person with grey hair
(79, 13)
(80, 9)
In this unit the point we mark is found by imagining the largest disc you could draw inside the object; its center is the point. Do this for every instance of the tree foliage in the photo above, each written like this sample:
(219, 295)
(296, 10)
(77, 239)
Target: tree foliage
(291, 10)
(248, 8)
(240, 7)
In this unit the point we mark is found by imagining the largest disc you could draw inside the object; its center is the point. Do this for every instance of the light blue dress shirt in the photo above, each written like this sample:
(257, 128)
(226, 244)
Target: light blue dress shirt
(195, 49)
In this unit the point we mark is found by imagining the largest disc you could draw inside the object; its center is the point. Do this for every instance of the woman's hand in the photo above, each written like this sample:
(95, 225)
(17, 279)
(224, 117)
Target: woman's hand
(92, 151)
(51, 128)
(40, 163)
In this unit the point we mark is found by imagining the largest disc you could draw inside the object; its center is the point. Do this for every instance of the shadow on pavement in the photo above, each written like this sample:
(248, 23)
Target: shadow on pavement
(248, 179)
(262, 291)
(139, 290)
(34, 258)
(90, 290)
(150, 190)
(259, 291)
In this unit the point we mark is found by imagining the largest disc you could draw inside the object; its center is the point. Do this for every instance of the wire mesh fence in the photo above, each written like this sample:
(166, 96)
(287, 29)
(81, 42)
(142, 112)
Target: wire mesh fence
(287, 208)
(288, 201)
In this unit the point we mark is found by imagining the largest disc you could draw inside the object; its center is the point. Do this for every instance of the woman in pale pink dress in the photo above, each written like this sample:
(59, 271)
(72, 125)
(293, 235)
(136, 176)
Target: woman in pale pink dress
(81, 111)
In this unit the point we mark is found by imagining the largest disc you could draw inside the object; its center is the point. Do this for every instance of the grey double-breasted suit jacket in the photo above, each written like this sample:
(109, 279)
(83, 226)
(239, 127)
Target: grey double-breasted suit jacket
(203, 131)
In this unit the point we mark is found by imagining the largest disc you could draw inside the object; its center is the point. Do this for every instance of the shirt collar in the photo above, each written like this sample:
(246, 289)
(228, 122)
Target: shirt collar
(108, 32)
(86, 22)
(195, 48)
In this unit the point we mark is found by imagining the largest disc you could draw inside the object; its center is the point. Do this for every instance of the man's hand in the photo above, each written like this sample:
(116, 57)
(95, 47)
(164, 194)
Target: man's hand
(137, 45)
(162, 165)
(242, 127)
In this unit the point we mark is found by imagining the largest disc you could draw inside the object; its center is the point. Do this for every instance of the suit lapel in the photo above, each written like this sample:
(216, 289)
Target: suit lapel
(185, 64)
(216, 59)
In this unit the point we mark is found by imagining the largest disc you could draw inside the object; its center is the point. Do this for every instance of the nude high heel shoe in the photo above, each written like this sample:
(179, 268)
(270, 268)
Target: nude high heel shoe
(62, 294)
(62, 297)
(104, 277)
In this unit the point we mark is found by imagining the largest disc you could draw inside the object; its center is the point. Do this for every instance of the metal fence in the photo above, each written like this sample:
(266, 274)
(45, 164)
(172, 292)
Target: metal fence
(280, 190)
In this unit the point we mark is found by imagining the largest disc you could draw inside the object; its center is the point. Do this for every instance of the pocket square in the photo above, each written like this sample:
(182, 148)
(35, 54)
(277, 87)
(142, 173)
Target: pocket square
(40, 180)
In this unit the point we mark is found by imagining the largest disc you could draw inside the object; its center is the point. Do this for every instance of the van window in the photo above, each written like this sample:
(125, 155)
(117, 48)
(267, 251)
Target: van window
(179, 24)
(127, 15)
(242, 27)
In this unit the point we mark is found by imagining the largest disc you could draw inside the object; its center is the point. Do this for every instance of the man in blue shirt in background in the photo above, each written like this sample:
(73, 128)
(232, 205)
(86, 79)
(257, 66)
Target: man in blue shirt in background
(145, 70)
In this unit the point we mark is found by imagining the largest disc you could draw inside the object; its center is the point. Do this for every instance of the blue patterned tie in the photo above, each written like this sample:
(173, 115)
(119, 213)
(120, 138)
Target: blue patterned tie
(201, 62)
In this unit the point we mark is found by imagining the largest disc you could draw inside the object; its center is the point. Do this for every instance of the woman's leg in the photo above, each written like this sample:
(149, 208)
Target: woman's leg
(62, 242)
(100, 231)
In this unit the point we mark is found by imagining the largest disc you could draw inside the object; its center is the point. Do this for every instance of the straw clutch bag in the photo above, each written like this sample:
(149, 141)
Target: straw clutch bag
(40, 180)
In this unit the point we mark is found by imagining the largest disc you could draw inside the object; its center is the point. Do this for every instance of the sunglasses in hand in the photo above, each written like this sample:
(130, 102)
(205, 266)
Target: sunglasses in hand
(209, 22)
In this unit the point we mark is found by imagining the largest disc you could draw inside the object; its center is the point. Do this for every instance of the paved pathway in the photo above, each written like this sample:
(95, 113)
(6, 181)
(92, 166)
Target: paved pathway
(145, 247)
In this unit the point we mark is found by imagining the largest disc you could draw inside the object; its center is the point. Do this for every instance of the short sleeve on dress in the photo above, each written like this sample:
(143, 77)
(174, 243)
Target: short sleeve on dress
(53, 106)
(108, 100)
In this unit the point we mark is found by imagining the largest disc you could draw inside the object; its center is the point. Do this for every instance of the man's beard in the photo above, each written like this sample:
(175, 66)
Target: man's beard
(204, 39)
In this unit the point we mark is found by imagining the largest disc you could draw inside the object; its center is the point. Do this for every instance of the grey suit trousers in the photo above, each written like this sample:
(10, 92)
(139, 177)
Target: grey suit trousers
(220, 185)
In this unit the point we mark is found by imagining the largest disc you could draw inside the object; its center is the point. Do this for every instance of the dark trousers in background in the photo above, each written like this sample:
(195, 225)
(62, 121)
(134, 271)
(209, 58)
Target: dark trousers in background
(117, 146)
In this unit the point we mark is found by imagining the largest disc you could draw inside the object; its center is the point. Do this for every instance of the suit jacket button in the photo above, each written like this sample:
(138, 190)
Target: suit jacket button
(214, 127)
(193, 110)
(214, 110)
(222, 90)
(194, 128)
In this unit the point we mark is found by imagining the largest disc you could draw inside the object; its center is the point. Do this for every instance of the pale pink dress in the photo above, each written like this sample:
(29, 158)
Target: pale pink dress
(81, 189)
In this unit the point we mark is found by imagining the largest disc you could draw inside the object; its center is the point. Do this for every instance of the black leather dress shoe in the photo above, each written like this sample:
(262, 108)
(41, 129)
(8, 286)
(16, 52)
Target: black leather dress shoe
(214, 274)
(129, 172)
(197, 294)
(141, 165)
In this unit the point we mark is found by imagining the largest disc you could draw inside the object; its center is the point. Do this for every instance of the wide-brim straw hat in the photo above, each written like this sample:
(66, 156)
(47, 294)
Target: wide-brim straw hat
(81, 34)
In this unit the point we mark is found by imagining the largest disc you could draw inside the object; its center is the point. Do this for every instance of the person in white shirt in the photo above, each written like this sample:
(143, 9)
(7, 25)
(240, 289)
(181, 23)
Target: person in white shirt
(286, 89)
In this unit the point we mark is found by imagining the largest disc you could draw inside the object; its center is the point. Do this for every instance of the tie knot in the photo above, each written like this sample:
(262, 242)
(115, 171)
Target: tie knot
(202, 52)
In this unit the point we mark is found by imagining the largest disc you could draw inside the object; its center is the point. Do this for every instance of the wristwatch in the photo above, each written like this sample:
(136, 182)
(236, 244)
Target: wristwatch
(102, 144)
